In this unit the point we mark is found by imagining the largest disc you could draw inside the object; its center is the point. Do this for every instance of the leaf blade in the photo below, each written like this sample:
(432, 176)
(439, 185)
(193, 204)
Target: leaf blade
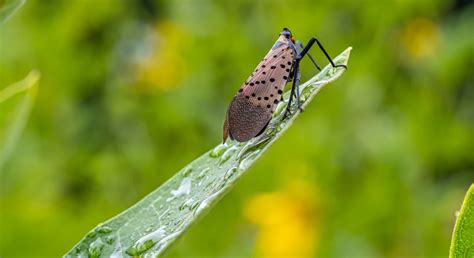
(462, 243)
(15, 127)
(152, 224)
(9, 8)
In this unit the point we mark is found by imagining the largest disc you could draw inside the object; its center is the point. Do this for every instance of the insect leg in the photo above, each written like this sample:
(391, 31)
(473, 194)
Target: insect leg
(299, 46)
(296, 48)
(294, 89)
(310, 44)
(314, 61)
(297, 85)
(296, 75)
(298, 43)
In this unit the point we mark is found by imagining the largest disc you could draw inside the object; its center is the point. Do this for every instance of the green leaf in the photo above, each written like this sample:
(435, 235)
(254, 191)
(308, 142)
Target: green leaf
(151, 225)
(462, 243)
(8, 8)
(12, 124)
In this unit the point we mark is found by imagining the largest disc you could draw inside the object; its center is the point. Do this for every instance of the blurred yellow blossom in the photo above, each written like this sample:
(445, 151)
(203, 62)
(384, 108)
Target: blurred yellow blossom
(164, 66)
(420, 37)
(286, 220)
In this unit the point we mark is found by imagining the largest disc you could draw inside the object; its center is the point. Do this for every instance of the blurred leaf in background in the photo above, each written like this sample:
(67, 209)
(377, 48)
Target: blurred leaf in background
(131, 91)
(8, 8)
(15, 115)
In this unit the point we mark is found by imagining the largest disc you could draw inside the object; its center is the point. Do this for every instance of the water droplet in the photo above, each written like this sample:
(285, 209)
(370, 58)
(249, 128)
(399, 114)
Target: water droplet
(178, 221)
(95, 248)
(218, 150)
(303, 98)
(205, 203)
(227, 154)
(183, 189)
(195, 205)
(148, 229)
(116, 254)
(247, 161)
(457, 213)
(281, 127)
(203, 173)
(254, 145)
(104, 230)
(109, 240)
(306, 94)
(91, 234)
(186, 204)
(279, 108)
(187, 171)
(146, 242)
(202, 206)
(230, 173)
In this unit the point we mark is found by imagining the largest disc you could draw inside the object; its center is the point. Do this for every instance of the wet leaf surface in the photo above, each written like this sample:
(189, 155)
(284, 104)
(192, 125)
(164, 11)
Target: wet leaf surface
(462, 245)
(151, 225)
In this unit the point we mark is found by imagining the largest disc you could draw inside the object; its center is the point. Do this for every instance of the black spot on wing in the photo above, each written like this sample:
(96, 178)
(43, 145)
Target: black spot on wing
(267, 80)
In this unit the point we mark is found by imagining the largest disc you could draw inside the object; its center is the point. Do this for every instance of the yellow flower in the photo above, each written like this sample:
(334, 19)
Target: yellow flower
(286, 222)
(420, 38)
(165, 66)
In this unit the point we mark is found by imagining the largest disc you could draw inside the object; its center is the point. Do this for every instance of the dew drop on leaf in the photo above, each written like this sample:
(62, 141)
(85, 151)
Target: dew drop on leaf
(218, 150)
(95, 249)
(227, 154)
(146, 242)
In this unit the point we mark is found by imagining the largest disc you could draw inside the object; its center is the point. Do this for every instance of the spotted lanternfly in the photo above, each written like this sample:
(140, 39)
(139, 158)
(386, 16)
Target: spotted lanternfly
(251, 108)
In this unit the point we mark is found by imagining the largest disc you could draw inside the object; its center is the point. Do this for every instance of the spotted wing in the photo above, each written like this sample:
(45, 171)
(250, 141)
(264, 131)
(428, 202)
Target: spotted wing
(251, 109)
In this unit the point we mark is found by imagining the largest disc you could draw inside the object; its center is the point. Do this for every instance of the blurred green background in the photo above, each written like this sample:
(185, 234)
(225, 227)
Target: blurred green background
(131, 91)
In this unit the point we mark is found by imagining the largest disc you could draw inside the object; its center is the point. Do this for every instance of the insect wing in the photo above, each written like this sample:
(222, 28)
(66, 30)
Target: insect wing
(251, 109)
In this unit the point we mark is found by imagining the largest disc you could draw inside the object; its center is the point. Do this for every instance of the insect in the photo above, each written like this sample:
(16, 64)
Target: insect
(251, 109)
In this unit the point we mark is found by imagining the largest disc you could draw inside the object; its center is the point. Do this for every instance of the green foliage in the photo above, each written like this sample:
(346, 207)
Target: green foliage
(462, 245)
(131, 91)
(8, 8)
(14, 122)
(151, 225)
